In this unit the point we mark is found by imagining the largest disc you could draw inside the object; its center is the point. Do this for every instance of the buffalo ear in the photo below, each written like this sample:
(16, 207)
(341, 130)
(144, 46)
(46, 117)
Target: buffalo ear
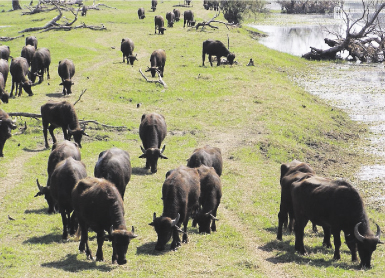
(151, 224)
(143, 156)
(61, 84)
(162, 156)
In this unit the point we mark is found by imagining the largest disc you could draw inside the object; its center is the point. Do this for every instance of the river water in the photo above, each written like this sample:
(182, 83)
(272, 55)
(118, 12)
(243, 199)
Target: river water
(356, 88)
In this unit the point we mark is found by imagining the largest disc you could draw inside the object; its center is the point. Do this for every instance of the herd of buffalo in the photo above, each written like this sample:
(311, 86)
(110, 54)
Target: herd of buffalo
(193, 190)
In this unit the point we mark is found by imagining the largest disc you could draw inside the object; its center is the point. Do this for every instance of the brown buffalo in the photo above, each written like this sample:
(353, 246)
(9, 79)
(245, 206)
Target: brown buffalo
(6, 125)
(158, 61)
(209, 156)
(218, 49)
(127, 48)
(19, 69)
(66, 71)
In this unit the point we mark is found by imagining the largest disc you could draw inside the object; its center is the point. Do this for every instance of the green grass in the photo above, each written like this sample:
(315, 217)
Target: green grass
(256, 115)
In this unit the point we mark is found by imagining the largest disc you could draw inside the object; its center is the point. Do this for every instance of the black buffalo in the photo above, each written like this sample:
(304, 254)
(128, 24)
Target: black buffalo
(84, 10)
(61, 114)
(66, 175)
(115, 166)
(158, 61)
(218, 49)
(60, 151)
(27, 53)
(141, 13)
(66, 71)
(209, 200)
(99, 206)
(6, 125)
(335, 204)
(154, 3)
(159, 24)
(170, 16)
(4, 52)
(209, 156)
(177, 14)
(19, 69)
(188, 17)
(3, 95)
(41, 61)
(4, 69)
(180, 195)
(31, 40)
(152, 131)
(127, 48)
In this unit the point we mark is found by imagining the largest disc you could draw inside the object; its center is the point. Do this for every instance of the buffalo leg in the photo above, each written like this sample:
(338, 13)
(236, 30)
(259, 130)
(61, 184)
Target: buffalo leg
(175, 240)
(203, 59)
(218, 60)
(67, 136)
(213, 225)
(73, 224)
(13, 86)
(299, 233)
(211, 63)
(99, 253)
(337, 244)
(65, 223)
(48, 73)
(185, 237)
(20, 89)
(282, 219)
(326, 242)
(83, 245)
(45, 127)
(51, 129)
(351, 243)
(2, 142)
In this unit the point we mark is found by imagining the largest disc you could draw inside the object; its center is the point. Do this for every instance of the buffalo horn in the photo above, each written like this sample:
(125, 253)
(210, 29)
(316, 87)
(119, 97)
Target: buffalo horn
(175, 221)
(148, 69)
(143, 150)
(164, 147)
(179, 229)
(213, 217)
(378, 234)
(357, 234)
(38, 185)
(154, 217)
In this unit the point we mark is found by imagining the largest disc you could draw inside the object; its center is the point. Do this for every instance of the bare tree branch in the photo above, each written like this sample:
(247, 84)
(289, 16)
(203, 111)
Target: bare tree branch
(80, 96)
(5, 39)
(160, 81)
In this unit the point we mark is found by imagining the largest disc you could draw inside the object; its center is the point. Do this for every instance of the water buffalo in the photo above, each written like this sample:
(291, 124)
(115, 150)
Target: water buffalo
(335, 204)
(114, 165)
(152, 131)
(209, 200)
(99, 206)
(159, 24)
(170, 16)
(27, 53)
(66, 175)
(6, 125)
(4, 52)
(4, 69)
(141, 13)
(3, 95)
(158, 61)
(60, 151)
(61, 114)
(180, 195)
(66, 71)
(127, 48)
(31, 40)
(188, 17)
(19, 69)
(177, 14)
(154, 3)
(84, 10)
(209, 156)
(218, 49)
(41, 61)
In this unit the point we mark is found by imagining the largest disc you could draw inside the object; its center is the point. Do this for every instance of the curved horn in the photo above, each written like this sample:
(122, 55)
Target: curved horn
(38, 185)
(175, 221)
(213, 217)
(154, 216)
(358, 236)
(378, 234)
(143, 150)
(164, 147)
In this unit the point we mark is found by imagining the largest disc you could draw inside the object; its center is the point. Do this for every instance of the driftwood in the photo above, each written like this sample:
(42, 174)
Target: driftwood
(23, 114)
(208, 23)
(84, 122)
(160, 81)
(80, 96)
(5, 39)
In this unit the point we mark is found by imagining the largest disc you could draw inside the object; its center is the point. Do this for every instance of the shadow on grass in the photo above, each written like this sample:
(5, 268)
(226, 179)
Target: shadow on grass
(34, 151)
(287, 254)
(71, 264)
(36, 211)
(57, 95)
(141, 171)
(149, 249)
(45, 239)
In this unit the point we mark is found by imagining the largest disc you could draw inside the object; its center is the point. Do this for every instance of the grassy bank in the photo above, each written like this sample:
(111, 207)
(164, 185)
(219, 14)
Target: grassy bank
(256, 115)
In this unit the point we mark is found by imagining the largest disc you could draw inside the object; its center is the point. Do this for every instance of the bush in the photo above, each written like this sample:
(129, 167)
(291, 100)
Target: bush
(234, 11)
(308, 6)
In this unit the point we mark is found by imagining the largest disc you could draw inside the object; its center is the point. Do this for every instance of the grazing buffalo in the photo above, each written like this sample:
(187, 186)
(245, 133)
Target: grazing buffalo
(66, 175)
(41, 61)
(159, 24)
(84, 10)
(3, 95)
(27, 53)
(61, 114)
(6, 124)
(152, 131)
(99, 206)
(209, 200)
(4, 52)
(60, 151)
(211, 5)
(177, 14)
(335, 204)
(154, 3)
(141, 13)
(218, 49)
(127, 48)
(4, 69)
(19, 69)
(31, 40)
(209, 156)
(170, 16)
(188, 17)
(66, 71)
(180, 195)
(187, 2)
(158, 61)
(114, 165)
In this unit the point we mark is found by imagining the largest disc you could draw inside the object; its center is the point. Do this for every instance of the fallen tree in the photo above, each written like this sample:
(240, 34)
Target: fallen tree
(364, 39)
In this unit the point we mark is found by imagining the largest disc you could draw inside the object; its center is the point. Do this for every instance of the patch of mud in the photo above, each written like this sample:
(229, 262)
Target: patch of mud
(359, 90)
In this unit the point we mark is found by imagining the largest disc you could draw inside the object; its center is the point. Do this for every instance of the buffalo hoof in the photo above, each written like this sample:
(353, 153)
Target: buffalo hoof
(327, 244)
(336, 257)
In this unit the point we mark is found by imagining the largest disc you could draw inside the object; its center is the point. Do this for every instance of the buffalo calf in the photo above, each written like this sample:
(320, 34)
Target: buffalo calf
(66, 71)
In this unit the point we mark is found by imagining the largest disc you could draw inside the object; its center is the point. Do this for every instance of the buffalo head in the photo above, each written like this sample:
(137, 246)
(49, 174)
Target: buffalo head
(164, 227)
(204, 221)
(153, 70)
(78, 134)
(231, 58)
(161, 30)
(366, 245)
(46, 191)
(27, 86)
(5, 97)
(132, 59)
(67, 86)
(120, 240)
(152, 155)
